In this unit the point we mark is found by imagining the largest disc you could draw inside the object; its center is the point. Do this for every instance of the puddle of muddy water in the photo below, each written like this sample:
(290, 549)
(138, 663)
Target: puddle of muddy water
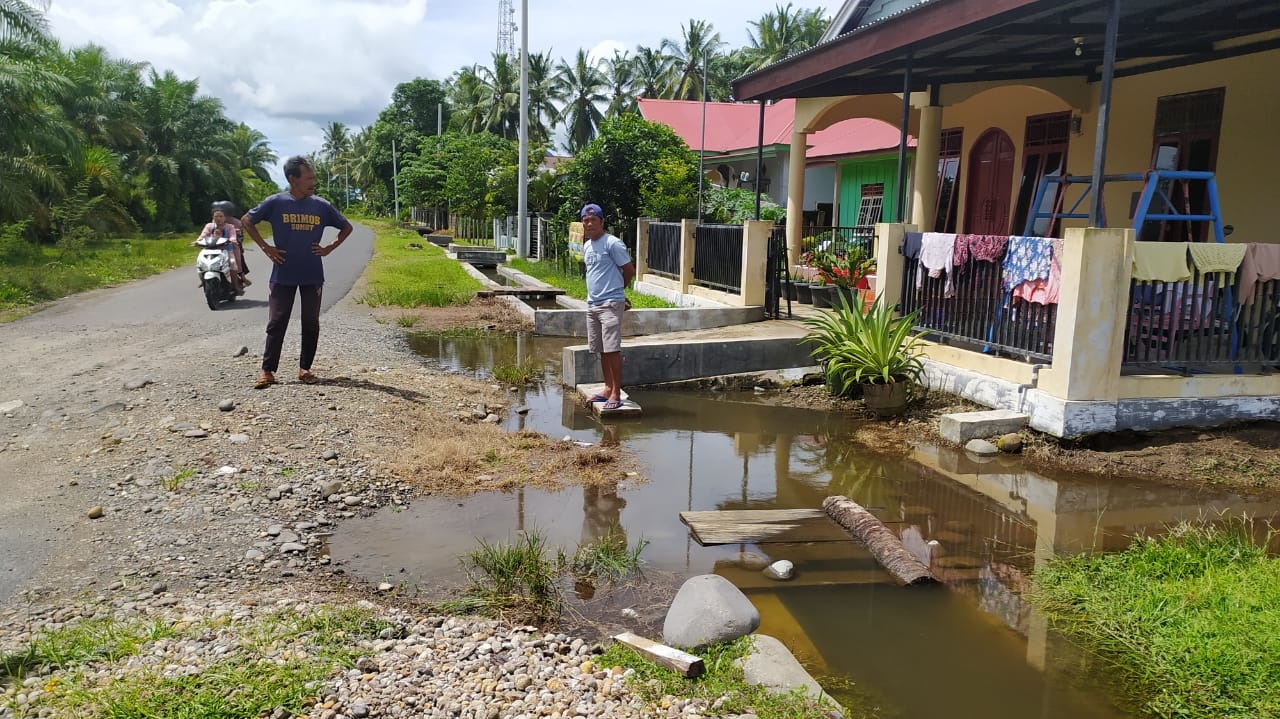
(972, 648)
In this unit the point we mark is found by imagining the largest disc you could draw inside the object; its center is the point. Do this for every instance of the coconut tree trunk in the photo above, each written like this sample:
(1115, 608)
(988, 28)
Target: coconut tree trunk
(883, 544)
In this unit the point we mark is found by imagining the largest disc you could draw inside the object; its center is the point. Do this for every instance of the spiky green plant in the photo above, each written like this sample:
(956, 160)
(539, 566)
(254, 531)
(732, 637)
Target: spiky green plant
(875, 347)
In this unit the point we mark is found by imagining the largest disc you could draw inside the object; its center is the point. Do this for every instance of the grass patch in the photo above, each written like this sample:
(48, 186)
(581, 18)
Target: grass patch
(31, 274)
(174, 483)
(406, 320)
(399, 276)
(454, 333)
(723, 679)
(105, 639)
(518, 374)
(1216, 470)
(514, 580)
(608, 558)
(576, 287)
(1187, 621)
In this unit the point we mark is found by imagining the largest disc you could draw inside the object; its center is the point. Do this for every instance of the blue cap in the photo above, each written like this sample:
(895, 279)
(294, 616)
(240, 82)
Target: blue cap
(592, 210)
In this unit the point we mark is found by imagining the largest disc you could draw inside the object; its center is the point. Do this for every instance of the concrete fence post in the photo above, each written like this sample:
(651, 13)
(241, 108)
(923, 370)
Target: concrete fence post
(642, 247)
(688, 236)
(890, 262)
(755, 254)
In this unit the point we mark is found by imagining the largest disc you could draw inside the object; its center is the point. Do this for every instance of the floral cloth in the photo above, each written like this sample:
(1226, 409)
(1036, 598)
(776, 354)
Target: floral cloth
(1028, 259)
(979, 248)
(1044, 292)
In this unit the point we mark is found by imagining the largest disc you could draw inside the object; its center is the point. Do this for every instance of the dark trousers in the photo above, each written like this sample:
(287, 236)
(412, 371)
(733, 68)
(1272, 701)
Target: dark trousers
(279, 308)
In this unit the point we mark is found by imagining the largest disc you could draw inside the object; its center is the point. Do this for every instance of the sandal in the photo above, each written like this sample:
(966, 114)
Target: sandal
(306, 377)
(597, 397)
(266, 379)
(612, 404)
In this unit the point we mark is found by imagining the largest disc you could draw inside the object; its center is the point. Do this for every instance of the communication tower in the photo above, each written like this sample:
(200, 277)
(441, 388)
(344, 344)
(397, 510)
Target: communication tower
(507, 29)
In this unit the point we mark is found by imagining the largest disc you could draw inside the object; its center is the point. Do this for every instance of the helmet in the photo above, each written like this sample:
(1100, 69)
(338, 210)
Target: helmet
(227, 206)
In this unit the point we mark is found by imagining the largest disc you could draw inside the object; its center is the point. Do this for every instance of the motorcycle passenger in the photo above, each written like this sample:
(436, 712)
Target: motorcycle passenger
(221, 226)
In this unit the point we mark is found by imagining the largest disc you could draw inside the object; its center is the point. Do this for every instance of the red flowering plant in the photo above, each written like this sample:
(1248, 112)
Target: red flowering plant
(845, 268)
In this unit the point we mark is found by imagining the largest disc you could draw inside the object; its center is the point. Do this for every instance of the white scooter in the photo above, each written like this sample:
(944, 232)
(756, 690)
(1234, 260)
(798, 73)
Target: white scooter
(215, 266)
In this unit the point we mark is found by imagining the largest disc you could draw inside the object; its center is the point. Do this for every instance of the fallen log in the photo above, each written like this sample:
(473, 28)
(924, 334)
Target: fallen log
(687, 665)
(883, 544)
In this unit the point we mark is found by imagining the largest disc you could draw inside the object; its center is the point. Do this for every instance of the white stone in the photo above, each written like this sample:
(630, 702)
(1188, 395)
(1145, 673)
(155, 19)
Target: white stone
(780, 570)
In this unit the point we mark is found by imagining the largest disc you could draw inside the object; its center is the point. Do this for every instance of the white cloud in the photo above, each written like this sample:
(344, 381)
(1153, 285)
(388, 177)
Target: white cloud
(287, 67)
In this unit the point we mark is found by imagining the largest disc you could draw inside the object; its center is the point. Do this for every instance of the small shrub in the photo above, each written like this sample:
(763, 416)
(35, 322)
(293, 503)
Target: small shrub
(517, 580)
(518, 374)
(608, 558)
(406, 320)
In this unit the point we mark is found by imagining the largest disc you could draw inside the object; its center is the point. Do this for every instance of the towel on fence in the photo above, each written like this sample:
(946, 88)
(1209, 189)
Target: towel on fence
(1217, 256)
(911, 245)
(1044, 292)
(1261, 263)
(936, 251)
(979, 248)
(1027, 259)
(1160, 262)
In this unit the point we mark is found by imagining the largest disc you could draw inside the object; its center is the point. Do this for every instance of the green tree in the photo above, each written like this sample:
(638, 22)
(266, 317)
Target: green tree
(619, 167)
(783, 32)
(619, 73)
(418, 103)
(724, 69)
(652, 73)
(673, 195)
(699, 42)
(581, 87)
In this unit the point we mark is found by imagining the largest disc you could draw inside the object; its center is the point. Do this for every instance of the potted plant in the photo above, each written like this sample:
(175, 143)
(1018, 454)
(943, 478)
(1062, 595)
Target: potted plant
(802, 289)
(875, 351)
(821, 293)
(846, 270)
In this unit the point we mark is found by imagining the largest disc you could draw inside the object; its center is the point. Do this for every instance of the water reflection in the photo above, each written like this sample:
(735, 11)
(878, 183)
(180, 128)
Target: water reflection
(972, 648)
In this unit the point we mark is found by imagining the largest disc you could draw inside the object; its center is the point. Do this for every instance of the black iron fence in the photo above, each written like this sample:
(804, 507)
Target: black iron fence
(838, 239)
(717, 257)
(1199, 326)
(977, 313)
(776, 275)
(663, 256)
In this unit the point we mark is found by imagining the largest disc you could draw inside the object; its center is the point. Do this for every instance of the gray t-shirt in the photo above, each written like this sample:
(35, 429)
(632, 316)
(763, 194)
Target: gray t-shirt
(603, 257)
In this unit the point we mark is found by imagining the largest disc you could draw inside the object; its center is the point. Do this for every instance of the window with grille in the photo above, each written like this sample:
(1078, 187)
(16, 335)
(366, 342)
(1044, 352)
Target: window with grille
(872, 204)
(1187, 131)
(1044, 154)
(949, 149)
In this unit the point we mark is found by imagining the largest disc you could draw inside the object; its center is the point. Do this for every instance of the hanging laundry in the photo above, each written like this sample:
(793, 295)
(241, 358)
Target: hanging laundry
(1160, 262)
(911, 245)
(936, 251)
(1261, 263)
(1027, 259)
(1044, 292)
(979, 248)
(1216, 256)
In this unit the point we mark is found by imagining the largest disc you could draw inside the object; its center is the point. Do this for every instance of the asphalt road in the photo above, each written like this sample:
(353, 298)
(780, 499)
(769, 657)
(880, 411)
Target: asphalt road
(70, 359)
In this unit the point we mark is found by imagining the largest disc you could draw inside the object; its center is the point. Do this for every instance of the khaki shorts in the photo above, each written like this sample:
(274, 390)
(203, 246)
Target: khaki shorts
(604, 327)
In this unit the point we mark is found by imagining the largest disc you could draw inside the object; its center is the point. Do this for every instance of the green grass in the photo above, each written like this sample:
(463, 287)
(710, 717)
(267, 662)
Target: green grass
(31, 274)
(515, 580)
(722, 679)
(398, 276)
(406, 320)
(608, 558)
(278, 661)
(576, 287)
(518, 374)
(1187, 622)
(174, 483)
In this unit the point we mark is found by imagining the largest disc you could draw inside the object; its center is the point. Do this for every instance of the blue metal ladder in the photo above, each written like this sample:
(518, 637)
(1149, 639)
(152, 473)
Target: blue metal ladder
(1142, 215)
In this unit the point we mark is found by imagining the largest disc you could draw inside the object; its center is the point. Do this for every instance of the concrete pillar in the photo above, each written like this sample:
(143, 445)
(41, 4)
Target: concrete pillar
(890, 262)
(642, 247)
(755, 253)
(1088, 341)
(795, 196)
(688, 233)
(925, 196)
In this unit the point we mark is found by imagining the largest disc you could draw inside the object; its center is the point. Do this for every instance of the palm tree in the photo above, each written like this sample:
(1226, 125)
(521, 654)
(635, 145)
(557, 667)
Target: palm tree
(699, 42)
(102, 100)
(782, 32)
(251, 151)
(580, 87)
(651, 73)
(465, 94)
(337, 140)
(500, 96)
(620, 74)
(543, 113)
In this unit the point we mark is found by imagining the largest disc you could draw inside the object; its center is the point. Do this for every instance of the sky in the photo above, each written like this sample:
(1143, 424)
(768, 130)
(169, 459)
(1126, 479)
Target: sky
(289, 67)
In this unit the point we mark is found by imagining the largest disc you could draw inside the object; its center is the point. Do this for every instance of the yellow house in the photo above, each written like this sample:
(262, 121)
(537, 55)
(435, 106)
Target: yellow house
(1001, 94)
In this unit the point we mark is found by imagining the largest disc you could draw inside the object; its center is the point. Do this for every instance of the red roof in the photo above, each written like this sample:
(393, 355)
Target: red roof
(735, 126)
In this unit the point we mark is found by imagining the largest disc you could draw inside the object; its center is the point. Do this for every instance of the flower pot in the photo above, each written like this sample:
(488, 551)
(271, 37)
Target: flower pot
(803, 295)
(822, 295)
(789, 289)
(851, 297)
(886, 400)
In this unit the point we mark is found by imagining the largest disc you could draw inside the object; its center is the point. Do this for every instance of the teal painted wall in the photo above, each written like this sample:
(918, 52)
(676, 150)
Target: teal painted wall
(869, 171)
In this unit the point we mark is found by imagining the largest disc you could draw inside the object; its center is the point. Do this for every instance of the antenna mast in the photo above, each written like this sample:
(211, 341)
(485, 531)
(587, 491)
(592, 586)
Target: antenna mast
(506, 29)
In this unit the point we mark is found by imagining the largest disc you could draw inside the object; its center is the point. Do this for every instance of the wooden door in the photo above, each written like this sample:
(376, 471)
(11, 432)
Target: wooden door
(990, 184)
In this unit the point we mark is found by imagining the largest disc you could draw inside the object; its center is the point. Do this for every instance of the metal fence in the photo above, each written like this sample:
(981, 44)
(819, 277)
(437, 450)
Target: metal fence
(1198, 326)
(776, 274)
(663, 256)
(978, 314)
(838, 239)
(717, 257)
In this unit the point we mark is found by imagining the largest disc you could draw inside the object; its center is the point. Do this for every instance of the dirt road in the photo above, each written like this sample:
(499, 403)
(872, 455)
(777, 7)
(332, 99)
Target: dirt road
(70, 363)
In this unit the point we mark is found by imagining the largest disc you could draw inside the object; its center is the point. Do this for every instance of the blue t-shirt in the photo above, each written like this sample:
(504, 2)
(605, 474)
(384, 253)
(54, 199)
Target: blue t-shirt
(296, 225)
(603, 257)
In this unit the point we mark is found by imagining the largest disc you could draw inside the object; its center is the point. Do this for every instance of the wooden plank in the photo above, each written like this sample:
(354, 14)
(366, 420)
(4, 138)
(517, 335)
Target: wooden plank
(758, 526)
(682, 663)
(628, 408)
(884, 544)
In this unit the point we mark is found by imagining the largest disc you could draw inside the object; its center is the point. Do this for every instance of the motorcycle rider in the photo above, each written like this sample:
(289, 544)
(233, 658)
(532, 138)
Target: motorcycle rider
(221, 226)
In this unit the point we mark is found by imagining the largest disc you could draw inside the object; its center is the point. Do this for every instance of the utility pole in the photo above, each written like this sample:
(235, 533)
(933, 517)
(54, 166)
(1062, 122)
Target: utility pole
(702, 144)
(522, 201)
(395, 178)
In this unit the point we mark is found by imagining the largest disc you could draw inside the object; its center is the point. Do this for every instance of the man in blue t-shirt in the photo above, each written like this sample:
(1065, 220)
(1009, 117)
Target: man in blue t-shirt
(298, 219)
(609, 272)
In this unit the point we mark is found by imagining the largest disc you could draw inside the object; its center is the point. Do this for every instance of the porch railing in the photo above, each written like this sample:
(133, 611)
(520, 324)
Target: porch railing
(1198, 326)
(978, 314)
(717, 257)
(838, 239)
(664, 249)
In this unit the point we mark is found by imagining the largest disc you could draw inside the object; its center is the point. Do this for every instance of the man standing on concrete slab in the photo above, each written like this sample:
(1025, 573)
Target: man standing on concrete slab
(609, 272)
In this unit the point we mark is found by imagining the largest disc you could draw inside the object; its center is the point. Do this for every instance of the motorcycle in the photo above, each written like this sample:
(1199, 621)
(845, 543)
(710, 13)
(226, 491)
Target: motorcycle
(215, 267)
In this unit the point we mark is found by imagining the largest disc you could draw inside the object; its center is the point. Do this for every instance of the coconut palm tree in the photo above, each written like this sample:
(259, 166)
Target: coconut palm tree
(784, 32)
(698, 43)
(651, 73)
(620, 75)
(500, 96)
(581, 87)
(465, 93)
(251, 151)
(102, 100)
(543, 113)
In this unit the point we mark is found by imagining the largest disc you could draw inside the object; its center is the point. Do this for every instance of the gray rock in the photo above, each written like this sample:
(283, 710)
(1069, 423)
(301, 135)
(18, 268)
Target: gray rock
(286, 537)
(275, 530)
(1011, 443)
(95, 512)
(227, 405)
(239, 439)
(330, 487)
(479, 412)
(780, 570)
(352, 500)
(708, 609)
(982, 448)
(491, 419)
(328, 455)
(771, 665)
(359, 711)
(241, 352)
(254, 555)
(522, 410)
(138, 383)
(292, 547)
(182, 426)
(195, 434)
(11, 406)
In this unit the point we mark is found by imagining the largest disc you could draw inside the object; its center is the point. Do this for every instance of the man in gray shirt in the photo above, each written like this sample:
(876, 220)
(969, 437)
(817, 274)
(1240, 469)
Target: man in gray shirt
(609, 272)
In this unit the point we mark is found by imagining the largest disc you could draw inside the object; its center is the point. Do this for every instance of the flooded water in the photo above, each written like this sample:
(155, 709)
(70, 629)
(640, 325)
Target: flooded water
(969, 648)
